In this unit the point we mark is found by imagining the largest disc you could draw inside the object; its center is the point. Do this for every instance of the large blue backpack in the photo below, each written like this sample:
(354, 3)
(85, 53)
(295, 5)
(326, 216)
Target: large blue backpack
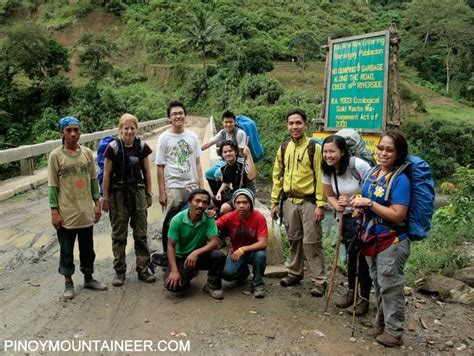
(103, 143)
(250, 128)
(422, 196)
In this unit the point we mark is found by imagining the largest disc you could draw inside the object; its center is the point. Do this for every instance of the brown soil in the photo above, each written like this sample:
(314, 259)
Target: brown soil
(287, 321)
(98, 21)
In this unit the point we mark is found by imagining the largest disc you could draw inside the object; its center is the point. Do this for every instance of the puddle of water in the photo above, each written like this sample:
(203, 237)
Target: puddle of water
(102, 246)
(12, 237)
(43, 240)
(6, 235)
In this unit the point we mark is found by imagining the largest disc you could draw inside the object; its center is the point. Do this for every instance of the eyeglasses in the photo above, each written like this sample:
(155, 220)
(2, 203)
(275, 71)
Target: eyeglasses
(177, 113)
(386, 149)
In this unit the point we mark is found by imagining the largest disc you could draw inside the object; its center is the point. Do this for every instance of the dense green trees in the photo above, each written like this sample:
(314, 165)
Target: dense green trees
(438, 41)
(202, 33)
(95, 54)
(304, 47)
(31, 64)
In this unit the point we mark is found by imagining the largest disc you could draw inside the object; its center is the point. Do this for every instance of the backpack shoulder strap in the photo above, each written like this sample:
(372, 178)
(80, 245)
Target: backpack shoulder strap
(139, 146)
(311, 152)
(234, 133)
(283, 148)
(369, 174)
(353, 169)
(335, 184)
(223, 135)
(115, 144)
(395, 174)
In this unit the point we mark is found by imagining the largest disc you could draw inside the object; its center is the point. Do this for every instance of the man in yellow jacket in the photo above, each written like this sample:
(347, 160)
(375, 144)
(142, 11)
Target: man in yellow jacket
(298, 194)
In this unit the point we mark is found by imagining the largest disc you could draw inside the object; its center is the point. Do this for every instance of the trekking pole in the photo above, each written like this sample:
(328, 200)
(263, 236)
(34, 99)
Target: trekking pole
(243, 165)
(334, 265)
(356, 290)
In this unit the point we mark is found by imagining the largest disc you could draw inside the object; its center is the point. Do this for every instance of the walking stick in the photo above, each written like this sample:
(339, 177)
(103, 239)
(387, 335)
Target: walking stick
(243, 165)
(356, 290)
(334, 265)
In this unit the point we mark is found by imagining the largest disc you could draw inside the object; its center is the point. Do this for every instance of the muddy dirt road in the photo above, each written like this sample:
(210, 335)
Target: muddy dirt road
(287, 321)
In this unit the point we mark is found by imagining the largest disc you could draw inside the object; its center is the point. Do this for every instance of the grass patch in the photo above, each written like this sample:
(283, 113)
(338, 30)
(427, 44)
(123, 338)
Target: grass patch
(439, 254)
(450, 110)
(437, 105)
(312, 79)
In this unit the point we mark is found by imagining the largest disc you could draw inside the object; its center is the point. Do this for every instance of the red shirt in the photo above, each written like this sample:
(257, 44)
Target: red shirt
(243, 232)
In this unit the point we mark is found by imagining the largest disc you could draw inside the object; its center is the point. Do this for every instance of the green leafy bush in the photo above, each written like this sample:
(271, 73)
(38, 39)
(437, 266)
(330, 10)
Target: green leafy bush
(255, 58)
(261, 89)
(7, 8)
(446, 145)
(46, 128)
(452, 225)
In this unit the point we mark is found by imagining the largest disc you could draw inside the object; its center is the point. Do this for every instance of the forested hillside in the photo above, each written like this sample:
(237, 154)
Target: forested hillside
(98, 58)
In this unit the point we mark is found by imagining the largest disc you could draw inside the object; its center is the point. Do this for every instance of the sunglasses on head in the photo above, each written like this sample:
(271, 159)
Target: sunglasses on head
(386, 149)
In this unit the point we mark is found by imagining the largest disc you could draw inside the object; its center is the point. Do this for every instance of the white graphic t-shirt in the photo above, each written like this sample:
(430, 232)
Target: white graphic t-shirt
(178, 153)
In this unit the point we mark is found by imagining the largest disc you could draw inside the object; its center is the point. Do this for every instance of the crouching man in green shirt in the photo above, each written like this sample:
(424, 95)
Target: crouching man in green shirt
(192, 246)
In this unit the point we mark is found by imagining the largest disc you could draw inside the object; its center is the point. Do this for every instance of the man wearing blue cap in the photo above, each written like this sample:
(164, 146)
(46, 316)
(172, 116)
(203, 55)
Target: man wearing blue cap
(74, 201)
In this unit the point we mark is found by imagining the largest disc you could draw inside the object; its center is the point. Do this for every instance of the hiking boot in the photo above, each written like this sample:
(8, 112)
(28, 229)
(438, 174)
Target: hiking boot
(389, 340)
(361, 308)
(259, 292)
(318, 290)
(377, 330)
(290, 280)
(345, 300)
(214, 293)
(146, 277)
(68, 291)
(118, 280)
(94, 285)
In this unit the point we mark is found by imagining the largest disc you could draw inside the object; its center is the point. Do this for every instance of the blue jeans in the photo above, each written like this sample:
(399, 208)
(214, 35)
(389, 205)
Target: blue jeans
(238, 270)
(66, 238)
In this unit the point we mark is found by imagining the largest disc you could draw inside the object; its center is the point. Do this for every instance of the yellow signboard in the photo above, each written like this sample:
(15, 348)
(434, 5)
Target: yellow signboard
(371, 141)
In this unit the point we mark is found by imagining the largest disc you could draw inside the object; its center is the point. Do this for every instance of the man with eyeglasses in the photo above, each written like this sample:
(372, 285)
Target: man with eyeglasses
(177, 159)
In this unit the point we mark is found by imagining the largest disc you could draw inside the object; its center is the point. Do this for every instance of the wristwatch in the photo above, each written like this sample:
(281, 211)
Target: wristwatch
(150, 194)
(371, 204)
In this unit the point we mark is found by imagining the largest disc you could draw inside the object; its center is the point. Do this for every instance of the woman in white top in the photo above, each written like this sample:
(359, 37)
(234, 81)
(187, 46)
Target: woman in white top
(341, 180)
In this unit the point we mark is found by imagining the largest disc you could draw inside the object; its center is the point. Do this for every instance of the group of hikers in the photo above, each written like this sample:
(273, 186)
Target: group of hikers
(305, 176)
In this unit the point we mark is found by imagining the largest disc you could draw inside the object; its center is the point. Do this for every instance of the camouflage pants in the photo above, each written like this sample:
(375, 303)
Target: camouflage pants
(131, 208)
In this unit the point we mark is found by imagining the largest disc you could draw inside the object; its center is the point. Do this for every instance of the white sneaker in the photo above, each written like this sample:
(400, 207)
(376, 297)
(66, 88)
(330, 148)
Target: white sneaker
(214, 293)
(68, 292)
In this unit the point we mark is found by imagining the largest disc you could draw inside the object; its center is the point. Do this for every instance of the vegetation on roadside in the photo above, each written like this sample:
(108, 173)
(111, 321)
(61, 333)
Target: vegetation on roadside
(442, 252)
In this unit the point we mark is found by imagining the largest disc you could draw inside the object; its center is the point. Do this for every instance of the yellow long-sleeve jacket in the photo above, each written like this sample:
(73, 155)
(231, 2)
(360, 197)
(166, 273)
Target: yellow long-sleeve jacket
(298, 178)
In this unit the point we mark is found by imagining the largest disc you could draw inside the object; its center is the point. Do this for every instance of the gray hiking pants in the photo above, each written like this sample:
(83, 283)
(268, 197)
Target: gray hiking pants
(386, 270)
(305, 238)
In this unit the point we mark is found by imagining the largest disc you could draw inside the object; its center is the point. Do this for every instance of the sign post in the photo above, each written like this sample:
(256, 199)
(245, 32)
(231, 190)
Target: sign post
(357, 83)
